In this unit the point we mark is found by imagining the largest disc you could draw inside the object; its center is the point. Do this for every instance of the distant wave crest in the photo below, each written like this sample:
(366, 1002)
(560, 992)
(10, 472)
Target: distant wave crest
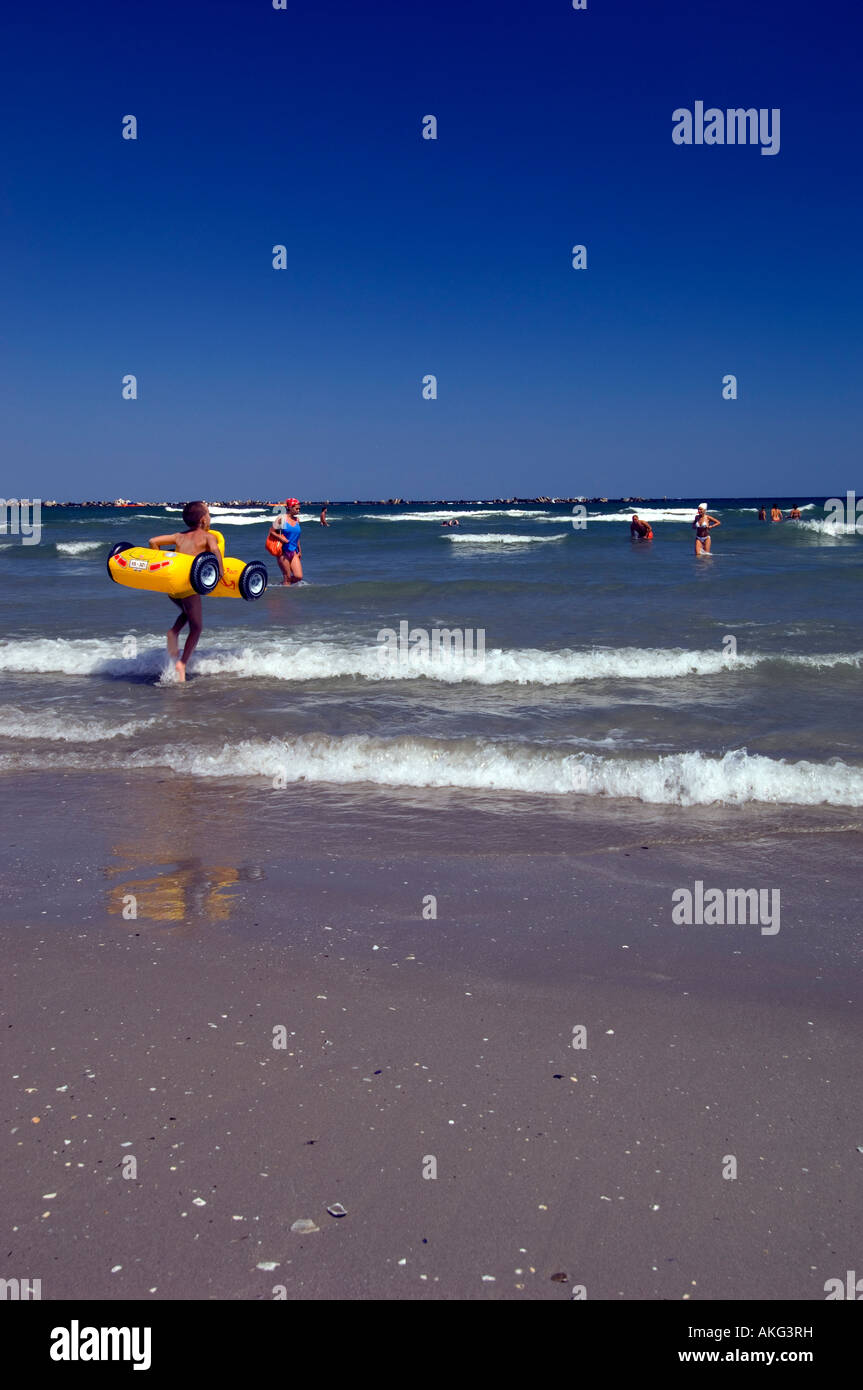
(500, 538)
(478, 514)
(78, 547)
(826, 526)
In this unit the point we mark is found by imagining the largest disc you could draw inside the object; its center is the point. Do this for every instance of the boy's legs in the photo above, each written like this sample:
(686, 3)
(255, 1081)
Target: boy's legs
(174, 632)
(192, 609)
(191, 614)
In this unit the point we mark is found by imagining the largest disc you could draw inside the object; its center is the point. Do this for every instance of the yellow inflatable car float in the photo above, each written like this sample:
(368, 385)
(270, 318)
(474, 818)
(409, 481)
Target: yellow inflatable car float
(180, 576)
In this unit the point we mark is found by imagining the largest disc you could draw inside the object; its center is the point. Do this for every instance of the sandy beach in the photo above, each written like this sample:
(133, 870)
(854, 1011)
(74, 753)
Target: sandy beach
(430, 673)
(411, 1037)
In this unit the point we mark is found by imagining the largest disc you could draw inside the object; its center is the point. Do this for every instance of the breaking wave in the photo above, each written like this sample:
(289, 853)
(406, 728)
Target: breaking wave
(826, 526)
(55, 726)
(674, 779)
(381, 662)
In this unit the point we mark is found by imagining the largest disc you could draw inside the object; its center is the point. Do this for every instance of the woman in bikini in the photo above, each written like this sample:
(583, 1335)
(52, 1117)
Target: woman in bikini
(702, 526)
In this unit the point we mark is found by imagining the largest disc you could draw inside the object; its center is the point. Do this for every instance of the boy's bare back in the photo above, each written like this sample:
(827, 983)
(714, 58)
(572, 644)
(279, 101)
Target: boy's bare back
(187, 542)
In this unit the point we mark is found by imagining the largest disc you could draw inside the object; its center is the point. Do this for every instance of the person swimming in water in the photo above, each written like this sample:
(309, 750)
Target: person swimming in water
(702, 526)
(762, 514)
(775, 513)
(286, 529)
(794, 514)
(640, 530)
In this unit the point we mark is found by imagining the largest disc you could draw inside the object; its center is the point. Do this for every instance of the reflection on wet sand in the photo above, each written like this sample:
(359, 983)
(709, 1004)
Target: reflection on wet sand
(182, 887)
(185, 889)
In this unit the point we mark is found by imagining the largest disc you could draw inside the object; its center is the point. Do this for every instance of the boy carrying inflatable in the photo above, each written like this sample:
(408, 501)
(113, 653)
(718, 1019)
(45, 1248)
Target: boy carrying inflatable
(198, 538)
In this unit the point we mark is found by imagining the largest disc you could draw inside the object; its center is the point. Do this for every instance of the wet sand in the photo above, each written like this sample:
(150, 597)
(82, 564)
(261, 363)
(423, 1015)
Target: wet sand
(411, 1037)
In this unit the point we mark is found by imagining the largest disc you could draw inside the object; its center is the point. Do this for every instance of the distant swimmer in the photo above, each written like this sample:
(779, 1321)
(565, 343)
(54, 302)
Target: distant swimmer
(640, 530)
(197, 517)
(702, 526)
(794, 514)
(762, 515)
(285, 532)
(775, 513)
(324, 521)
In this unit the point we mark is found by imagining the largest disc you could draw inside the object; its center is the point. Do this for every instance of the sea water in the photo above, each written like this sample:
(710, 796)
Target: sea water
(611, 672)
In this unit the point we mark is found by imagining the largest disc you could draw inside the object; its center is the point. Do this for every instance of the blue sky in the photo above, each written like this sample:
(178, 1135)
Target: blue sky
(408, 257)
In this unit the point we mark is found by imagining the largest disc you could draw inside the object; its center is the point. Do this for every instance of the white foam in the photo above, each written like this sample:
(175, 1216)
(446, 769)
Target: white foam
(225, 511)
(826, 526)
(479, 514)
(262, 520)
(323, 661)
(500, 538)
(674, 779)
(220, 521)
(78, 547)
(79, 657)
(244, 516)
(677, 514)
(299, 661)
(58, 726)
(681, 779)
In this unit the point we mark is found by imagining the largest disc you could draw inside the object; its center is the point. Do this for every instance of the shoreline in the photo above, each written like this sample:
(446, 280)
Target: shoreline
(702, 1043)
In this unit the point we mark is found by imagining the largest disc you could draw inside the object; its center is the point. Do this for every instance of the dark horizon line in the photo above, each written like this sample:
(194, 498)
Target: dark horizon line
(435, 501)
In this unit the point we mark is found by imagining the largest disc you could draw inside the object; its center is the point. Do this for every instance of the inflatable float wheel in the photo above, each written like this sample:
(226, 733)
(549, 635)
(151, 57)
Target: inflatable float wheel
(204, 573)
(253, 580)
(116, 550)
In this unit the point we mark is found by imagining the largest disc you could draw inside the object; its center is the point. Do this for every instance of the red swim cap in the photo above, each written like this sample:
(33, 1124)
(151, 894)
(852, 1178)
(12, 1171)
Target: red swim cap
(292, 502)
